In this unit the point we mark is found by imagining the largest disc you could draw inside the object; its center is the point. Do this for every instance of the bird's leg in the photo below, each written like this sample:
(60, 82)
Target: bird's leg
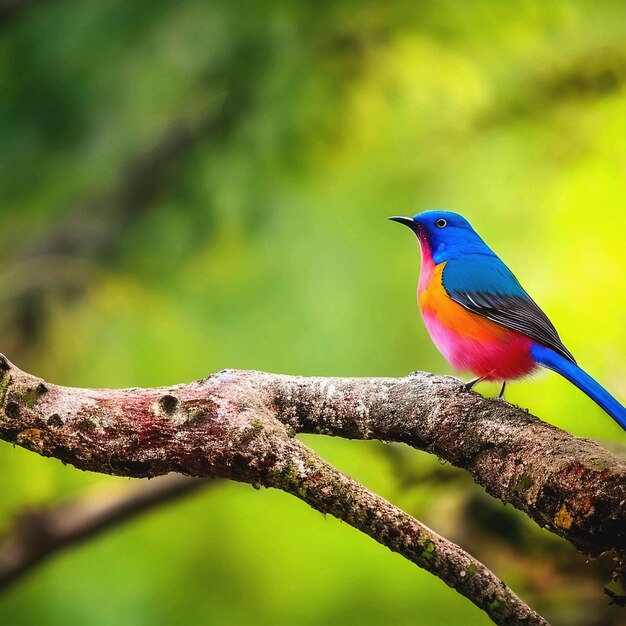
(471, 383)
(501, 394)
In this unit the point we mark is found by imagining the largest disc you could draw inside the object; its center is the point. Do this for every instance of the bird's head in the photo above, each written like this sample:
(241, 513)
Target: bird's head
(446, 234)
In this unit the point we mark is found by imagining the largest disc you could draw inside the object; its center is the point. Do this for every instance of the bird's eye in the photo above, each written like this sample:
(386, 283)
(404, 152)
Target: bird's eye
(441, 223)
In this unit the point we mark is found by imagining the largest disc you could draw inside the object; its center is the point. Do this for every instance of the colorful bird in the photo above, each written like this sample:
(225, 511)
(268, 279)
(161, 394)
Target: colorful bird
(479, 316)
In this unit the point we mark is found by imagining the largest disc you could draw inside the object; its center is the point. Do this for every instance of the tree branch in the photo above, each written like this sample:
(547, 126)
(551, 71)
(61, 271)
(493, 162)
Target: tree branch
(326, 489)
(37, 535)
(571, 486)
(240, 425)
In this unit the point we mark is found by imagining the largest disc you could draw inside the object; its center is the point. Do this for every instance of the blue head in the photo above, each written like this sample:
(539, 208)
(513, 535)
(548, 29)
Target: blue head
(448, 235)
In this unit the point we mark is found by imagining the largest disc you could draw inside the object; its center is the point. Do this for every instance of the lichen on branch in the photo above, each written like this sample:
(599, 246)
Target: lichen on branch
(241, 425)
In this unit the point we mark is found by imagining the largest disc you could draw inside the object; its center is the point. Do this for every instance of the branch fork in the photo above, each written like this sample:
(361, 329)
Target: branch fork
(241, 425)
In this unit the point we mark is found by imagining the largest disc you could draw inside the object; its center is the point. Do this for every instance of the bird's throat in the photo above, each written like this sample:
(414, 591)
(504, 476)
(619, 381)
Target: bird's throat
(427, 267)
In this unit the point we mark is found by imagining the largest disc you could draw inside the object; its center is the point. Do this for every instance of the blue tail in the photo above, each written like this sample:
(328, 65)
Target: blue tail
(582, 380)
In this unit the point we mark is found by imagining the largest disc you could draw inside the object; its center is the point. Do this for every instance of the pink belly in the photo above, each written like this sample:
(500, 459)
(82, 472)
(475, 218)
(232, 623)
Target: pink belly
(497, 355)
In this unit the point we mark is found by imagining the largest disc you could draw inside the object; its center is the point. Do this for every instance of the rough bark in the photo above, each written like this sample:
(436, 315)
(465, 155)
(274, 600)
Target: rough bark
(241, 425)
(571, 486)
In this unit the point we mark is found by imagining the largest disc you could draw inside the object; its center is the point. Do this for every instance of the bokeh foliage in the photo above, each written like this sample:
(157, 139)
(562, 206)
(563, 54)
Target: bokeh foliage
(187, 186)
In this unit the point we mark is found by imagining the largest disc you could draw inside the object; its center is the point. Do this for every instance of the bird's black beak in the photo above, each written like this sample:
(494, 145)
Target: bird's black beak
(407, 221)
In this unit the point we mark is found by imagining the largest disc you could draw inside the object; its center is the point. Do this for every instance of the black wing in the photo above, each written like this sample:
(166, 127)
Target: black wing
(516, 311)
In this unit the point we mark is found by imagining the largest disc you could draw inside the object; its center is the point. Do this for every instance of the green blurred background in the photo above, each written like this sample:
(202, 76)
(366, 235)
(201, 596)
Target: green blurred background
(187, 186)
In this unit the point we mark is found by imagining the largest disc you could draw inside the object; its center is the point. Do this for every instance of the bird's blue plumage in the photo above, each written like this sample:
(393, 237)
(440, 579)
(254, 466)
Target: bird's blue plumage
(455, 240)
(550, 359)
(475, 277)
(481, 273)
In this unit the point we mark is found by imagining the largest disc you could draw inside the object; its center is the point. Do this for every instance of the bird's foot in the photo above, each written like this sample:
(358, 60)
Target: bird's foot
(501, 394)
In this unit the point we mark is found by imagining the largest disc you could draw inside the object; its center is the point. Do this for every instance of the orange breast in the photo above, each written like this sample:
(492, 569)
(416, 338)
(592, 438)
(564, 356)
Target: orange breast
(467, 340)
(433, 300)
